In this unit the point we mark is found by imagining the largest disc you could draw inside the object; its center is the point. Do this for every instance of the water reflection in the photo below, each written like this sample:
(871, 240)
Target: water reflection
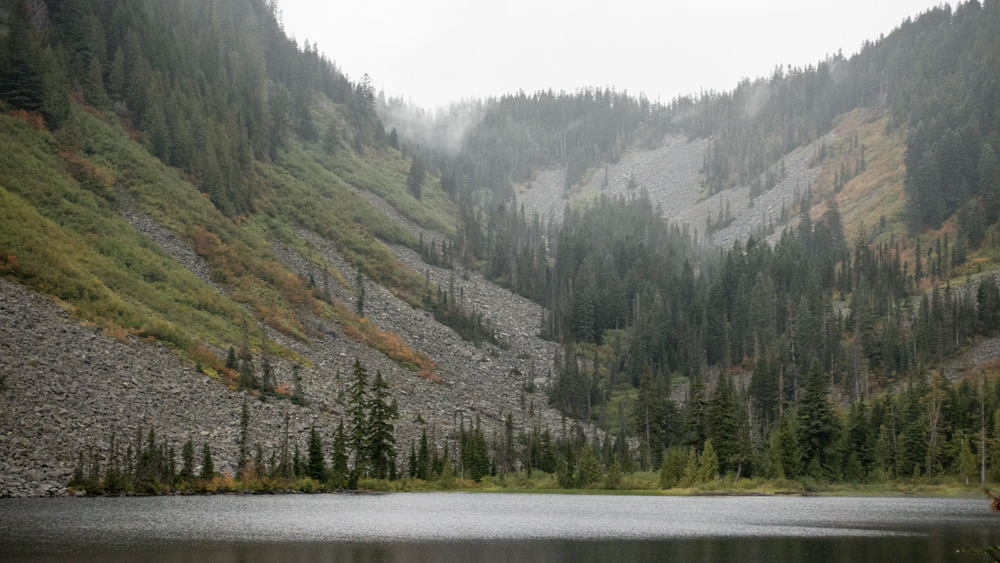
(468, 527)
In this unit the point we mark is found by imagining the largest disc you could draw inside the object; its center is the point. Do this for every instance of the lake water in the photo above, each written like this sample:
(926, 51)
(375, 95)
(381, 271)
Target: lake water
(493, 527)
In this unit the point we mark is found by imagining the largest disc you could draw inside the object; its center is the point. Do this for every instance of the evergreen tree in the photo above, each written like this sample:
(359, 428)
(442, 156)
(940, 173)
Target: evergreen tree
(672, 469)
(648, 418)
(232, 362)
(357, 412)
(21, 82)
(423, 457)
(692, 475)
(339, 460)
(589, 472)
(207, 467)
(187, 461)
(381, 445)
(696, 414)
(315, 464)
(816, 422)
(723, 425)
(708, 469)
(415, 178)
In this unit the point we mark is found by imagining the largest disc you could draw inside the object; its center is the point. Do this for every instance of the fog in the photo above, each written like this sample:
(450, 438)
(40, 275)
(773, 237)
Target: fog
(435, 52)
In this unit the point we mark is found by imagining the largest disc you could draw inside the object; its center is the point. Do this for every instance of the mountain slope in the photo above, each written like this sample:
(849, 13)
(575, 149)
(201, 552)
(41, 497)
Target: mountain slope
(221, 222)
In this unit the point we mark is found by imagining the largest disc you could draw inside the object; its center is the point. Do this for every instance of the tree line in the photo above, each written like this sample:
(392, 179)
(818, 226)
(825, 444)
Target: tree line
(935, 77)
(209, 88)
(363, 449)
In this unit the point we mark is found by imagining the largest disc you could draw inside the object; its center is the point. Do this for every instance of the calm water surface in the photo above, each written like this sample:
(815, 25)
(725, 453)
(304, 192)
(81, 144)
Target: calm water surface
(493, 527)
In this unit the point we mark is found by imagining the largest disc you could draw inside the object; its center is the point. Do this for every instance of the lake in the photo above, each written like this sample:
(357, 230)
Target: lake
(493, 527)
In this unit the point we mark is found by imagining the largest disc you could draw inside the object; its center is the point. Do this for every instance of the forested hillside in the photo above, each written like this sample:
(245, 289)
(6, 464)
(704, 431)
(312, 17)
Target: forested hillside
(644, 309)
(184, 173)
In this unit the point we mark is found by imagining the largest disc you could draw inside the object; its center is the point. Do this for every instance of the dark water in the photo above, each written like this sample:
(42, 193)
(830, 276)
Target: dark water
(493, 527)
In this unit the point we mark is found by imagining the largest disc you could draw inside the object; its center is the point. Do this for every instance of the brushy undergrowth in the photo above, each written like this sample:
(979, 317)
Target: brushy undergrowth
(62, 233)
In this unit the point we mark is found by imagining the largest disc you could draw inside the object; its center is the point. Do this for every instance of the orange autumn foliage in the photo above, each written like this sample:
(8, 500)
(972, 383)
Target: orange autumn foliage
(388, 342)
(9, 264)
(201, 354)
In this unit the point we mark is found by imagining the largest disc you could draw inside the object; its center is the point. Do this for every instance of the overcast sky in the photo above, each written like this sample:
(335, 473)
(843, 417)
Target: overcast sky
(435, 51)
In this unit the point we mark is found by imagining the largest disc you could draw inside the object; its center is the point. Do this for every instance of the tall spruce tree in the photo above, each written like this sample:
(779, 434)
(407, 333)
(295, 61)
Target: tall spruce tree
(315, 463)
(816, 423)
(339, 469)
(381, 438)
(357, 413)
(207, 466)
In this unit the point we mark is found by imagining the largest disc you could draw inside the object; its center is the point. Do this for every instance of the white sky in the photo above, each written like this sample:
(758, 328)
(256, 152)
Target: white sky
(435, 51)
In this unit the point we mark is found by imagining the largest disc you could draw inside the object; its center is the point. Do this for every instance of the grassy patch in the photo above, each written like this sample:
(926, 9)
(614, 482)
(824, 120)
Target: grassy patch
(61, 233)
(877, 191)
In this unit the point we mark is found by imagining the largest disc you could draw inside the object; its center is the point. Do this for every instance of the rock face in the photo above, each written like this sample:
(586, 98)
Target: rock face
(671, 175)
(69, 386)
(749, 215)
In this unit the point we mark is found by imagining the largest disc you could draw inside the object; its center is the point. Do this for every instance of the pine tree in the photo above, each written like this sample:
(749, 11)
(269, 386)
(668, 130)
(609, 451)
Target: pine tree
(692, 474)
(338, 463)
(415, 178)
(187, 461)
(708, 469)
(232, 362)
(315, 464)
(672, 469)
(357, 413)
(423, 457)
(723, 425)
(381, 440)
(816, 420)
(589, 472)
(207, 467)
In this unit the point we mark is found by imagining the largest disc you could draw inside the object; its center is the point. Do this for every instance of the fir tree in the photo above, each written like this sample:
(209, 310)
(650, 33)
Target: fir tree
(207, 467)
(315, 464)
(816, 420)
(381, 440)
(423, 457)
(357, 413)
(338, 458)
(708, 469)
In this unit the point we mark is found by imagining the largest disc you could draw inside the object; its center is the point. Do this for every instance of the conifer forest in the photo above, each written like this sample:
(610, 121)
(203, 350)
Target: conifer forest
(184, 175)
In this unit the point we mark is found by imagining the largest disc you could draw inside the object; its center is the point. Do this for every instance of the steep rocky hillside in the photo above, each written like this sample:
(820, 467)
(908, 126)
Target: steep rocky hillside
(70, 386)
(671, 175)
